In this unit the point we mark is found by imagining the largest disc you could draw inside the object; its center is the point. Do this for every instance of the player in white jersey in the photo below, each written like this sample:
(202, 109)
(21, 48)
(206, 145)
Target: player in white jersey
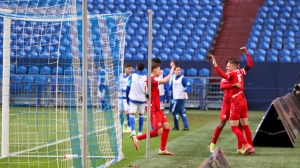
(180, 86)
(136, 97)
(123, 106)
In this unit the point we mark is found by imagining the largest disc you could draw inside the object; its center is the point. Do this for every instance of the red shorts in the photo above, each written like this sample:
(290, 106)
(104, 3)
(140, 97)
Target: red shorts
(225, 111)
(238, 109)
(157, 119)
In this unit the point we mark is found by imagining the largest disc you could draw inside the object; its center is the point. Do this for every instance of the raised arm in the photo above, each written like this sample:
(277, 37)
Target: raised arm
(167, 78)
(249, 59)
(220, 72)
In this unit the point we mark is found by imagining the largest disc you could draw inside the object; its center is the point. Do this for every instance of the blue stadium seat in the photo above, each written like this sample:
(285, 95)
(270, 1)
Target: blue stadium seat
(260, 52)
(174, 57)
(163, 56)
(186, 57)
(278, 33)
(272, 58)
(284, 52)
(251, 45)
(33, 70)
(21, 70)
(270, 21)
(259, 58)
(199, 57)
(277, 46)
(266, 39)
(145, 71)
(166, 71)
(295, 53)
(191, 72)
(15, 83)
(277, 40)
(138, 56)
(285, 59)
(57, 70)
(204, 72)
(289, 40)
(273, 52)
(253, 39)
(28, 82)
(296, 59)
(256, 27)
(12, 69)
(293, 21)
(64, 84)
(289, 46)
(68, 71)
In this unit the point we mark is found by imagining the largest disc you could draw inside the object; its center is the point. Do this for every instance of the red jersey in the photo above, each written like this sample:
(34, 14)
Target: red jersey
(225, 86)
(155, 98)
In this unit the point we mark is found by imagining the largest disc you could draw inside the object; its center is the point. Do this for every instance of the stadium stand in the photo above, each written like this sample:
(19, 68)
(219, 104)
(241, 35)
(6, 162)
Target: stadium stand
(275, 33)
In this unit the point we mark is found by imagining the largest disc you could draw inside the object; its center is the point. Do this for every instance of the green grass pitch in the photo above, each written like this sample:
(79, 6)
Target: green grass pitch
(190, 148)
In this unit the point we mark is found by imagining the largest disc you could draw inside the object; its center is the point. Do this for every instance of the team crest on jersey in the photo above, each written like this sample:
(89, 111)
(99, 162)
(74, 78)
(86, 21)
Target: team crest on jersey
(224, 116)
(159, 124)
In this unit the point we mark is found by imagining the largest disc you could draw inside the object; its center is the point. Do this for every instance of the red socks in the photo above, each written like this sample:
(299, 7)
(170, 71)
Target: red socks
(239, 135)
(164, 139)
(248, 134)
(143, 136)
(216, 135)
(240, 144)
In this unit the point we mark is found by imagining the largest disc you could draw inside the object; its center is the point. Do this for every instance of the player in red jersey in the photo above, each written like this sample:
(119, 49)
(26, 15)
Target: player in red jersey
(238, 107)
(158, 119)
(225, 109)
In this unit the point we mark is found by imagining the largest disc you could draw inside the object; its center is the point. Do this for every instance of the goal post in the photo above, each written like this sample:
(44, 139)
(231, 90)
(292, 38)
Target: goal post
(43, 109)
(5, 88)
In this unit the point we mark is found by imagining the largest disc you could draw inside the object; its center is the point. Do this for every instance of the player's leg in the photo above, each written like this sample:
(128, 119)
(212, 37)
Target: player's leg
(182, 113)
(240, 144)
(235, 109)
(121, 113)
(126, 108)
(175, 116)
(141, 110)
(245, 126)
(224, 117)
(155, 118)
(132, 111)
(164, 136)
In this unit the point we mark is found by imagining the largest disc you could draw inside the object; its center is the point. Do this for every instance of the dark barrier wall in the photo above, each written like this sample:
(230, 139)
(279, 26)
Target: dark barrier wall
(267, 81)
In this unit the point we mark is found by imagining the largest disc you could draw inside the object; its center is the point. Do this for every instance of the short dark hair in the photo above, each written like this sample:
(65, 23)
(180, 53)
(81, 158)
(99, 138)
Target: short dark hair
(154, 65)
(175, 62)
(177, 67)
(157, 60)
(127, 65)
(233, 61)
(140, 66)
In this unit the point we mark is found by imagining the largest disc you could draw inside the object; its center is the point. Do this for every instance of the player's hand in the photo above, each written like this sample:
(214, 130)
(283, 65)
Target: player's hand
(244, 49)
(184, 95)
(172, 70)
(238, 85)
(213, 60)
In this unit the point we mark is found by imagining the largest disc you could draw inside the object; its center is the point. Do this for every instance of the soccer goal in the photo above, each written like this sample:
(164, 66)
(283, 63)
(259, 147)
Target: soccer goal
(41, 118)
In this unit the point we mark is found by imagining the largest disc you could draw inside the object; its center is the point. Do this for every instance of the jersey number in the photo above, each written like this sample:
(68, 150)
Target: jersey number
(239, 77)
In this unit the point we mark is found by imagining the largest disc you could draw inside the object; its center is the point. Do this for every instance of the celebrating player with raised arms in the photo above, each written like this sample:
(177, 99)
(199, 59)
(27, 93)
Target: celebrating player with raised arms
(225, 109)
(238, 107)
(158, 118)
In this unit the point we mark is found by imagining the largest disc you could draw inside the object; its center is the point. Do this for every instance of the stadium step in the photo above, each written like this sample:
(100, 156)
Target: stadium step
(237, 23)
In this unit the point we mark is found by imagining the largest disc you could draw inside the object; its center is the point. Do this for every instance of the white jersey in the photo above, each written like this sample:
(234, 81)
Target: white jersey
(161, 87)
(123, 79)
(138, 88)
(177, 88)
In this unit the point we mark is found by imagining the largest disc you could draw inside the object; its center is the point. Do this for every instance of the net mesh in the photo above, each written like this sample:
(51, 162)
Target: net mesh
(45, 84)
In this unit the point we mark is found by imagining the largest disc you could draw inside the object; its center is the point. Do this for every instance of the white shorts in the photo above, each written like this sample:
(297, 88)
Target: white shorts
(162, 105)
(122, 104)
(140, 108)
